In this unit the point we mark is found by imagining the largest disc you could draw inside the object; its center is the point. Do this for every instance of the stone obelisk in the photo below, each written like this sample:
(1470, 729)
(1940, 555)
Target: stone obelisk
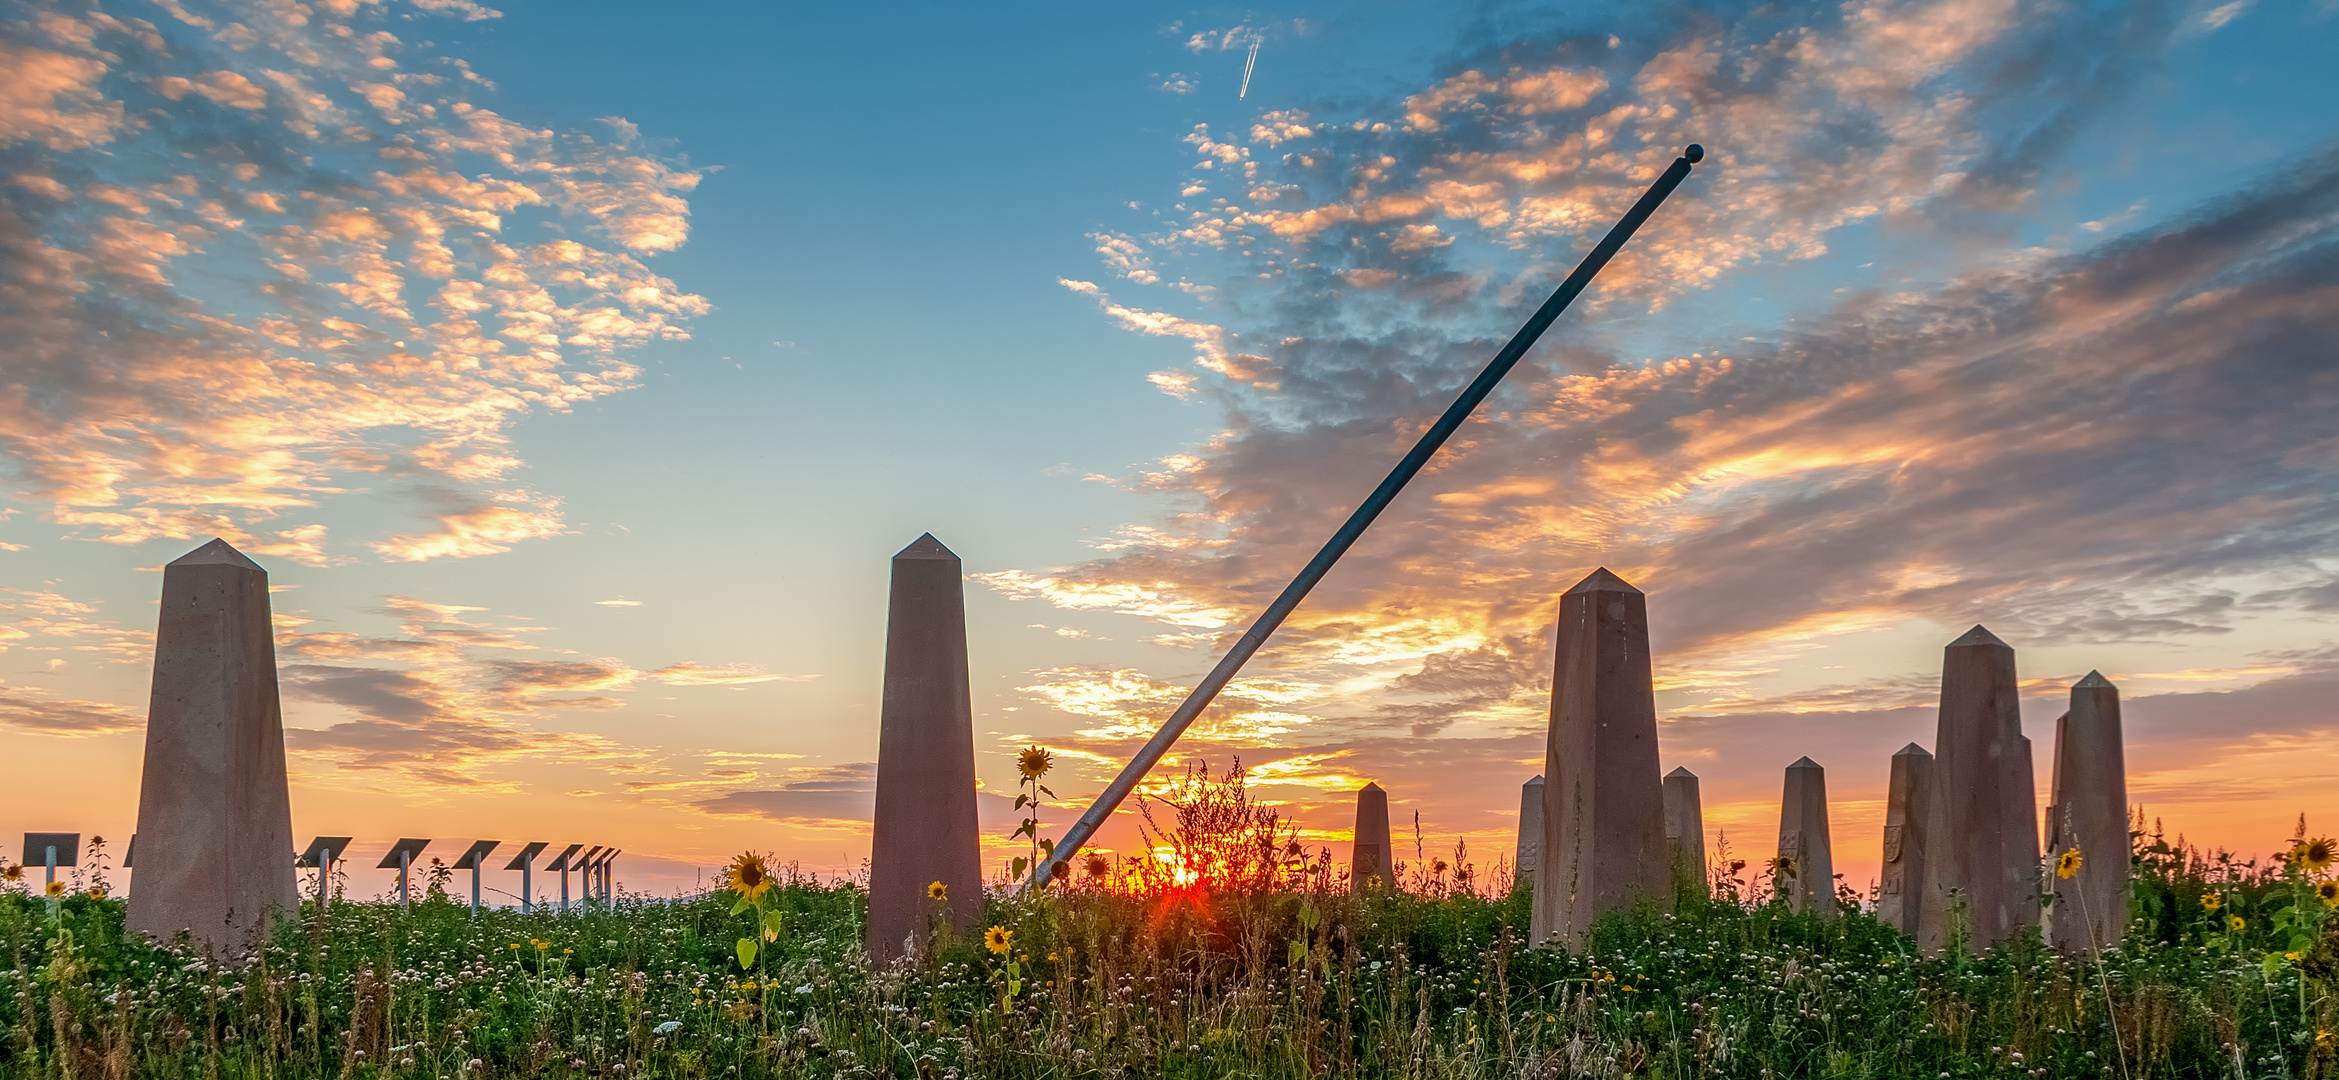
(1806, 865)
(1905, 802)
(1685, 832)
(214, 814)
(2089, 815)
(1982, 850)
(926, 830)
(1370, 864)
(1603, 804)
(1530, 830)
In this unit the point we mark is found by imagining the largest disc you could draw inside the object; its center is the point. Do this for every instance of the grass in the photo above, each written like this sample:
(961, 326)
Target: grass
(1431, 982)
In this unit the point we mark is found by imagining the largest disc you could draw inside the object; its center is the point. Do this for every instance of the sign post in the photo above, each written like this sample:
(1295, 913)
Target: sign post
(472, 860)
(323, 852)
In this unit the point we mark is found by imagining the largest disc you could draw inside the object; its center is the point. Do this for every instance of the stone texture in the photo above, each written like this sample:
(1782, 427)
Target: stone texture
(1370, 862)
(1806, 863)
(1603, 804)
(215, 847)
(2089, 813)
(1905, 805)
(925, 829)
(1981, 867)
(1685, 832)
(1530, 830)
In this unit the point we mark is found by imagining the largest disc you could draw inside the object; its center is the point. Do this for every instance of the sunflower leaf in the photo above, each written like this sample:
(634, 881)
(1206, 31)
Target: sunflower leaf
(746, 953)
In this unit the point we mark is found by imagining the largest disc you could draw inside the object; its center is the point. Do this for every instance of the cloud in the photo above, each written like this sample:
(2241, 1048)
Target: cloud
(29, 709)
(257, 264)
(841, 793)
(688, 673)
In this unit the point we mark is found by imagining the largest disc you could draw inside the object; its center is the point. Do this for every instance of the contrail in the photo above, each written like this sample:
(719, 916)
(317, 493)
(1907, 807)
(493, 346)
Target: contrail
(1247, 66)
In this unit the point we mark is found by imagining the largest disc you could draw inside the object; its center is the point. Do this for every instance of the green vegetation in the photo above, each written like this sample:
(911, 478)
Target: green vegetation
(1434, 981)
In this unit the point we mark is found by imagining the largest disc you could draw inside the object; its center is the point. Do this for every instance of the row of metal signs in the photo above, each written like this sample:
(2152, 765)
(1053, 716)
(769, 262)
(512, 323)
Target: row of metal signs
(593, 865)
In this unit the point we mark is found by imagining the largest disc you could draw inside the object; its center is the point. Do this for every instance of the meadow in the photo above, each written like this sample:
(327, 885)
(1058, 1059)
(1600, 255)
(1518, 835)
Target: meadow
(2229, 970)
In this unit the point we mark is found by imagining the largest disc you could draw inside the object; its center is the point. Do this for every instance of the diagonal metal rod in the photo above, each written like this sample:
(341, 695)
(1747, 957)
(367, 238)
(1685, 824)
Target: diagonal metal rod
(1317, 567)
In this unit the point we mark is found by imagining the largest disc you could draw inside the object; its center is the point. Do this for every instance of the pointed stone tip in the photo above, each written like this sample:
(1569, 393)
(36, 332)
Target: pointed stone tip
(1979, 635)
(926, 547)
(1681, 770)
(1913, 750)
(1368, 786)
(1804, 763)
(1538, 779)
(2093, 681)
(216, 553)
(1601, 580)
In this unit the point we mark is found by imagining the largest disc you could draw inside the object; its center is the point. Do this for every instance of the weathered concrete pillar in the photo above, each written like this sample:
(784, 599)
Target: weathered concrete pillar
(2089, 815)
(1530, 830)
(1685, 832)
(1370, 864)
(1905, 803)
(925, 830)
(1982, 850)
(1806, 864)
(214, 814)
(1603, 807)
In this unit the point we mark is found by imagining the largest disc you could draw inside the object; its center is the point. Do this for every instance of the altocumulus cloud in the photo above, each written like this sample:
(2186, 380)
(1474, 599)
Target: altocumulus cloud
(257, 255)
(2125, 443)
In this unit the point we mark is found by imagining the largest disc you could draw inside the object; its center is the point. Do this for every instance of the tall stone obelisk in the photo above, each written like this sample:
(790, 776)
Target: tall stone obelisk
(1806, 864)
(1370, 864)
(1982, 843)
(1603, 803)
(2089, 814)
(214, 814)
(1530, 831)
(1685, 832)
(926, 830)
(1906, 803)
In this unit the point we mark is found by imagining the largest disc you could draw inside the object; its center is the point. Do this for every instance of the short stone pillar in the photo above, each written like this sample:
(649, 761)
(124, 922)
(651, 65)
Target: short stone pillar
(1805, 869)
(1603, 803)
(1370, 863)
(926, 831)
(1903, 879)
(1685, 833)
(214, 813)
(2089, 818)
(1530, 831)
(1982, 850)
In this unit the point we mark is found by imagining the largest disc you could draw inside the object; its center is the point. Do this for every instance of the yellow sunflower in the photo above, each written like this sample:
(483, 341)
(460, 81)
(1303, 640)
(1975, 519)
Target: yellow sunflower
(999, 939)
(2317, 855)
(747, 877)
(938, 891)
(1034, 762)
(97, 892)
(2067, 864)
(12, 872)
(2211, 901)
(1782, 865)
(2328, 893)
(2235, 923)
(1098, 866)
(56, 888)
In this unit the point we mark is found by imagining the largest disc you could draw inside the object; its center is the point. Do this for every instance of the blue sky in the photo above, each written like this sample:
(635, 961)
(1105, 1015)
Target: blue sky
(957, 270)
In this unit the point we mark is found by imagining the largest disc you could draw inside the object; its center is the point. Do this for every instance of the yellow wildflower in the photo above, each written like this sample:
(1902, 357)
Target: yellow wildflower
(2068, 863)
(999, 939)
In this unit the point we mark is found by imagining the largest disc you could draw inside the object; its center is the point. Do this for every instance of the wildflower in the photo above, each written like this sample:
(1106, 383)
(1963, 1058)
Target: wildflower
(2235, 923)
(2067, 864)
(2317, 855)
(515, 946)
(2328, 893)
(540, 945)
(56, 888)
(2211, 901)
(938, 891)
(747, 876)
(999, 939)
(2294, 957)
(1034, 762)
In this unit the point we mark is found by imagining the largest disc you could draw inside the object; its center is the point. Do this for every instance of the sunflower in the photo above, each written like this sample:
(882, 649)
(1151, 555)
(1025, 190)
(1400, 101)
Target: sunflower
(1034, 762)
(1782, 865)
(747, 876)
(2235, 923)
(1097, 866)
(999, 939)
(56, 888)
(2211, 901)
(2328, 893)
(97, 892)
(2067, 863)
(12, 872)
(938, 891)
(2317, 855)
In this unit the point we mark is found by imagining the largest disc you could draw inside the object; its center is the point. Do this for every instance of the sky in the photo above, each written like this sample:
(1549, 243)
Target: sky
(575, 370)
